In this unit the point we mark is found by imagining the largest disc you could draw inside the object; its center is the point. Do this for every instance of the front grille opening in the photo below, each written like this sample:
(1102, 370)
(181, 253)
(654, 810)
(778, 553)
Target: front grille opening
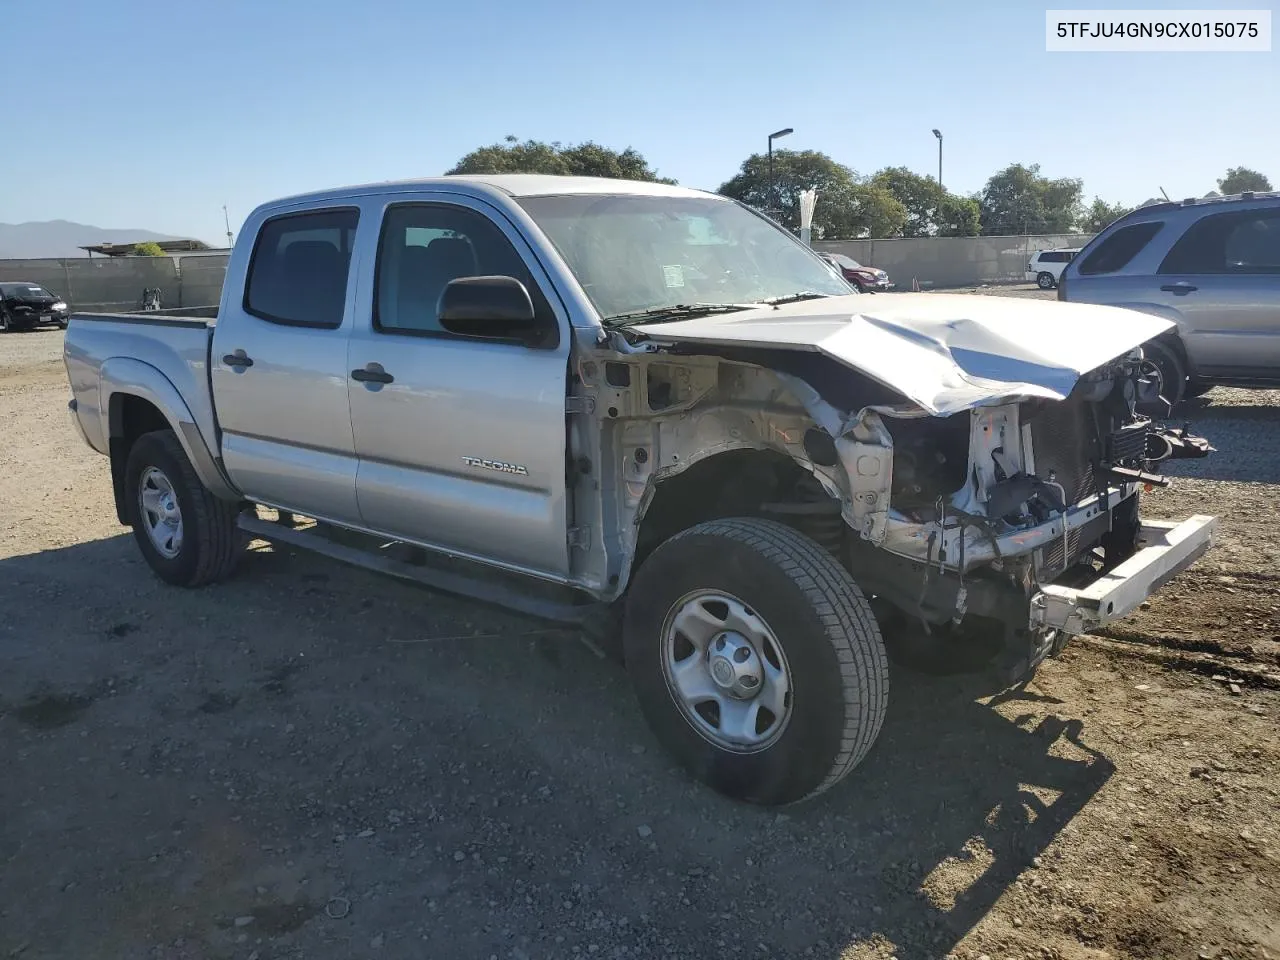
(1065, 443)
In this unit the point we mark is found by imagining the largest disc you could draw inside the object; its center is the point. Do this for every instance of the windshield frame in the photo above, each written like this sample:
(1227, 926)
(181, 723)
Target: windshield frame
(536, 210)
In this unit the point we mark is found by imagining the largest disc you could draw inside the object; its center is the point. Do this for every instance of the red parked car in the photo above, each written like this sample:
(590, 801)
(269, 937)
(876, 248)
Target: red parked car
(866, 279)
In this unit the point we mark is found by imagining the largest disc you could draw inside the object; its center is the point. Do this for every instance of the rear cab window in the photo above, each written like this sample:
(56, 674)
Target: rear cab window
(1116, 251)
(298, 271)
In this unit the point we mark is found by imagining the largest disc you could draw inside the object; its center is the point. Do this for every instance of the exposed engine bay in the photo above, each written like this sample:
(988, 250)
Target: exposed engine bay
(1013, 467)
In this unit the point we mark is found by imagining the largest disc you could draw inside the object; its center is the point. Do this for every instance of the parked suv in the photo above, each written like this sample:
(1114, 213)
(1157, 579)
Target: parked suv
(1046, 266)
(1212, 267)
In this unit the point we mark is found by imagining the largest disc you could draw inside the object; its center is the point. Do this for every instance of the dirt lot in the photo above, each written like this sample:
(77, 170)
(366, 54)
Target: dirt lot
(312, 762)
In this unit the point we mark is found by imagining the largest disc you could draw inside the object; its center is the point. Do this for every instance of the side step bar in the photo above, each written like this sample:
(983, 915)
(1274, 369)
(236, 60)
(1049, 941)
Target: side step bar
(472, 588)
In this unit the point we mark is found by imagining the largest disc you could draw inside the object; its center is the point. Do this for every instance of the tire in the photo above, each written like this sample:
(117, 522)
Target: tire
(5, 325)
(1172, 371)
(822, 640)
(1045, 281)
(209, 543)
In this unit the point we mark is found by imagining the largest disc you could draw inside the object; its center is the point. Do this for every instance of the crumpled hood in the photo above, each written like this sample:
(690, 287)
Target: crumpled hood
(945, 352)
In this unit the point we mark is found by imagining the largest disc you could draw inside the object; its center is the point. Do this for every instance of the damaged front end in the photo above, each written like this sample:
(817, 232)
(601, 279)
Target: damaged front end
(1013, 511)
(976, 462)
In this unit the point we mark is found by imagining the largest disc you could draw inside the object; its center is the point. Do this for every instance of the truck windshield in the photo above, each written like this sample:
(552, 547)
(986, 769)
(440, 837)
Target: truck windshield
(633, 253)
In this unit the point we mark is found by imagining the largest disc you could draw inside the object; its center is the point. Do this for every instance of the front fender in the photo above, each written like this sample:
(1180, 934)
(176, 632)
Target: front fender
(127, 376)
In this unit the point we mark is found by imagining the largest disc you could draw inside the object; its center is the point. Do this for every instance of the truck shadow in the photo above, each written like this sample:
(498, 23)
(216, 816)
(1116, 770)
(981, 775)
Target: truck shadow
(461, 710)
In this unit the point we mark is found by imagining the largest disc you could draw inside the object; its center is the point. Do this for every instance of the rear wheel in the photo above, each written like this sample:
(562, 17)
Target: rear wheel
(1044, 280)
(187, 535)
(756, 659)
(1163, 359)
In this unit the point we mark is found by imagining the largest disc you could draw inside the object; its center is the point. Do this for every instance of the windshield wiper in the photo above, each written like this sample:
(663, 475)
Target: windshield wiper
(679, 311)
(796, 298)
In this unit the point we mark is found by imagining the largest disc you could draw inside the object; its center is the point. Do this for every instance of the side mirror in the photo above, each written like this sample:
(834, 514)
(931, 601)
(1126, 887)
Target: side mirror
(492, 308)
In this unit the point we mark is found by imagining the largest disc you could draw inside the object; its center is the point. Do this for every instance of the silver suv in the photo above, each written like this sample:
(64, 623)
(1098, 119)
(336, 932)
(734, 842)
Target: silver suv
(1212, 267)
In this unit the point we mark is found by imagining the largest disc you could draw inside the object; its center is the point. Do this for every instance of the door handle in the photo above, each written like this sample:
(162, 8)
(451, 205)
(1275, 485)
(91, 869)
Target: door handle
(1180, 289)
(372, 373)
(237, 359)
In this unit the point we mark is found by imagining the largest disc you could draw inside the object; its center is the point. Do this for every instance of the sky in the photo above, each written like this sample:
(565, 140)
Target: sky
(126, 114)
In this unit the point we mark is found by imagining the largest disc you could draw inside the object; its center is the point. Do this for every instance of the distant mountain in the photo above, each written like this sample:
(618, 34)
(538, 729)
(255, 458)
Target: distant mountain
(62, 238)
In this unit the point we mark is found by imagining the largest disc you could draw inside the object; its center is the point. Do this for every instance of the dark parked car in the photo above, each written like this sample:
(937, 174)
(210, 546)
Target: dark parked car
(24, 306)
(866, 279)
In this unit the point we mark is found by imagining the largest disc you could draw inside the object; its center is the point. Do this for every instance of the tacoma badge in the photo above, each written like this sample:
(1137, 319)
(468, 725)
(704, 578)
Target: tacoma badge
(497, 465)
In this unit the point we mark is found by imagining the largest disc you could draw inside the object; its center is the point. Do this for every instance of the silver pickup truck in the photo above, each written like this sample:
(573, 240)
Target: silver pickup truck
(649, 408)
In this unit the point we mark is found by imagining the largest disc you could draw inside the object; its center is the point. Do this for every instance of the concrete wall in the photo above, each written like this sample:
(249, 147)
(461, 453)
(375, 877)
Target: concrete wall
(202, 280)
(950, 261)
(115, 284)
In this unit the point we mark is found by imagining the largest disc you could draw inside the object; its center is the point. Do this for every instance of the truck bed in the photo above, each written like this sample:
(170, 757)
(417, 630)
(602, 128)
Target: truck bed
(106, 352)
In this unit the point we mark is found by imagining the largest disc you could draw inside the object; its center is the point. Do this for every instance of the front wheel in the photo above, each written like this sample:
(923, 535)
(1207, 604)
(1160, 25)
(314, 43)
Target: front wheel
(756, 659)
(5, 324)
(1163, 360)
(187, 535)
(1044, 279)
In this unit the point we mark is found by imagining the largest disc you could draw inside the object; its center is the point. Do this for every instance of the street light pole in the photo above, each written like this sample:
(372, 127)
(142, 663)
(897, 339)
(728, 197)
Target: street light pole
(773, 189)
(938, 133)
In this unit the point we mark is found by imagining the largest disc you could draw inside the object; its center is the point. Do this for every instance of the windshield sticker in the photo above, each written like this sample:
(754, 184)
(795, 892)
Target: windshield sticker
(673, 274)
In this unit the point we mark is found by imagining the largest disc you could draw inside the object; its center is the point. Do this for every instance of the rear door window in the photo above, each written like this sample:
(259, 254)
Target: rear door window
(298, 272)
(1245, 242)
(1116, 251)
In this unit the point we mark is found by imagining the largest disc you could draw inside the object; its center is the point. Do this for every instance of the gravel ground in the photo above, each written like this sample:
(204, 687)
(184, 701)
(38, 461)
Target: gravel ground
(309, 761)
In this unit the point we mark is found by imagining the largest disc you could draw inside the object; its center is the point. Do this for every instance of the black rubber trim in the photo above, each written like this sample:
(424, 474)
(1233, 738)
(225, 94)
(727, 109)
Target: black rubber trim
(143, 319)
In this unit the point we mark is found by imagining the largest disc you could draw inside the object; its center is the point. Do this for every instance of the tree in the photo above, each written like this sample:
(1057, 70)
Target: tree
(148, 249)
(1019, 200)
(794, 171)
(1243, 180)
(1099, 214)
(875, 212)
(583, 160)
(919, 196)
(846, 208)
(958, 216)
(930, 211)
